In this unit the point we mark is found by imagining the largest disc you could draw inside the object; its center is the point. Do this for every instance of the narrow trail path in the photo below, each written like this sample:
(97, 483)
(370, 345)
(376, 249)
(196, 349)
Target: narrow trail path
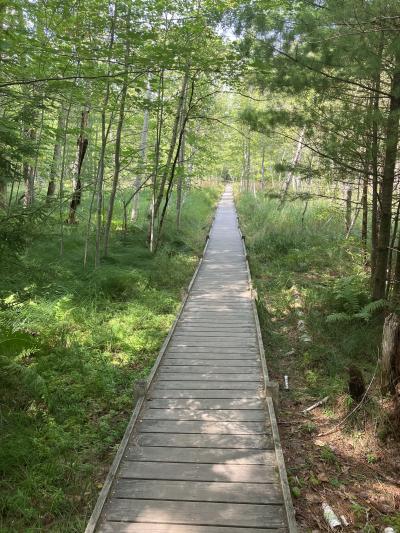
(203, 454)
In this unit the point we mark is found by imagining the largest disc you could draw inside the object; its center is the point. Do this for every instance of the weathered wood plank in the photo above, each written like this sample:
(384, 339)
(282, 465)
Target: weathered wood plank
(228, 473)
(222, 353)
(200, 513)
(230, 331)
(217, 334)
(160, 489)
(259, 442)
(248, 363)
(235, 393)
(196, 426)
(211, 415)
(222, 339)
(129, 527)
(212, 349)
(252, 372)
(210, 323)
(207, 376)
(214, 404)
(168, 454)
(209, 385)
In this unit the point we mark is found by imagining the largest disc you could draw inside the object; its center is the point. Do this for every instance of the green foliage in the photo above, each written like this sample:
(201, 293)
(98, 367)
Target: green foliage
(328, 273)
(328, 456)
(72, 343)
(350, 293)
(19, 228)
(349, 296)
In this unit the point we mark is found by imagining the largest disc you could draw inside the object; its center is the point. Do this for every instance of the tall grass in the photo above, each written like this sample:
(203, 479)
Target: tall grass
(307, 253)
(72, 343)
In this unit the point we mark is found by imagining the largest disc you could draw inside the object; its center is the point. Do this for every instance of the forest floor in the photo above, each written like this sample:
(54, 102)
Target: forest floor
(313, 305)
(72, 344)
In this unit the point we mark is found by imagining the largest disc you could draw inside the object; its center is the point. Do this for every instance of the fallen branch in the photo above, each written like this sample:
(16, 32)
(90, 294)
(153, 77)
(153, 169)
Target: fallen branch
(338, 426)
(315, 405)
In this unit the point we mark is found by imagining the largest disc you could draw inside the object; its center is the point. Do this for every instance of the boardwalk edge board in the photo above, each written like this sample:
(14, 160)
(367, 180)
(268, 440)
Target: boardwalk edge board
(290, 514)
(105, 491)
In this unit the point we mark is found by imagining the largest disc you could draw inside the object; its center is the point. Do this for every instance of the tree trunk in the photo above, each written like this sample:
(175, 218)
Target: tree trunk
(117, 156)
(28, 172)
(364, 201)
(375, 166)
(174, 137)
(64, 158)
(51, 189)
(104, 139)
(173, 166)
(142, 158)
(390, 357)
(3, 194)
(392, 138)
(391, 248)
(29, 176)
(157, 152)
(349, 194)
(396, 280)
(295, 162)
(263, 167)
(247, 162)
(179, 185)
(81, 144)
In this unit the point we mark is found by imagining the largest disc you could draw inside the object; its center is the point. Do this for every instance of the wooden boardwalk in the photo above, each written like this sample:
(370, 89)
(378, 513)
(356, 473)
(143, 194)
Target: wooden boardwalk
(202, 453)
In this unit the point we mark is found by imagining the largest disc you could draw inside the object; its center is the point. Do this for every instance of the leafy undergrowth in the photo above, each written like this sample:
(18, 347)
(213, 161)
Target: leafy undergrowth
(72, 344)
(317, 320)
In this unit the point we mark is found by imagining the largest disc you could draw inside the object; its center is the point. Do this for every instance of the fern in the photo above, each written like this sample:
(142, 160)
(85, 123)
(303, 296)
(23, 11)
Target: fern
(338, 317)
(350, 294)
(370, 309)
(26, 377)
(365, 313)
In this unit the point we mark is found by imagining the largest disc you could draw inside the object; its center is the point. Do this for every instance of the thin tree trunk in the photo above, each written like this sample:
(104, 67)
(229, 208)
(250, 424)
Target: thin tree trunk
(375, 166)
(174, 136)
(179, 186)
(51, 189)
(62, 176)
(247, 162)
(117, 157)
(392, 139)
(349, 194)
(3, 194)
(295, 162)
(142, 157)
(160, 123)
(82, 144)
(364, 225)
(263, 167)
(104, 138)
(173, 167)
(29, 176)
(396, 280)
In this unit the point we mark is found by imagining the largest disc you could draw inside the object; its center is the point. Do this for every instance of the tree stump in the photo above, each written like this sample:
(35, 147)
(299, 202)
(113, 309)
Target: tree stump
(390, 358)
(356, 383)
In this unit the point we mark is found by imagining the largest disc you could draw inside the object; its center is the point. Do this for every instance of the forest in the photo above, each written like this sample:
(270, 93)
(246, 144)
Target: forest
(121, 121)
